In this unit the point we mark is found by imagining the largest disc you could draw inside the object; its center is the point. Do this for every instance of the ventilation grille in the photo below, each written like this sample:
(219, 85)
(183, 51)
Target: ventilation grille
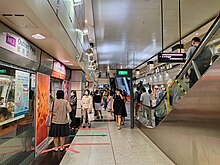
(19, 20)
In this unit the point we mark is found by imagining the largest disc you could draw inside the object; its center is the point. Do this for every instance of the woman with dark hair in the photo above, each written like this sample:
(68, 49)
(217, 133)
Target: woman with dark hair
(60, 125)
(98, 100)
(73, 103)
(119, 107)
(87, 105)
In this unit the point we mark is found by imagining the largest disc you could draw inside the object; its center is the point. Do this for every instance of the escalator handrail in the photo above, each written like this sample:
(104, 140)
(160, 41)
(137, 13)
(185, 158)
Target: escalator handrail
(214, 27)
(157, 105)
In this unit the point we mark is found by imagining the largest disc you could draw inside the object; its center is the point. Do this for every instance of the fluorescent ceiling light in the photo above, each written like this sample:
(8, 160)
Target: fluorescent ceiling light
(69, 64)
(38, 36)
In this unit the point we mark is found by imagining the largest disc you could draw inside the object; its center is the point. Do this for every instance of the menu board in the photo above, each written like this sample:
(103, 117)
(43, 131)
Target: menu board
(21, 93)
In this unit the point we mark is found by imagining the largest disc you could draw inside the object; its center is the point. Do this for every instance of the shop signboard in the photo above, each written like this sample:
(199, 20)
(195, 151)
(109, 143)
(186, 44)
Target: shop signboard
(42, 108)
(59, 71)
(171, 57)
(21, 93)
(19, 46)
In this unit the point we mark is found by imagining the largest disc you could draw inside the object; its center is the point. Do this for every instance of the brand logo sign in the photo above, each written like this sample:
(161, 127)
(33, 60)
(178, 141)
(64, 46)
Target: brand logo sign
(59, 70)
(19, 46)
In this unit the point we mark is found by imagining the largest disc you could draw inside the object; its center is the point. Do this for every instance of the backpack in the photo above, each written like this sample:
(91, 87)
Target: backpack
(203, 60)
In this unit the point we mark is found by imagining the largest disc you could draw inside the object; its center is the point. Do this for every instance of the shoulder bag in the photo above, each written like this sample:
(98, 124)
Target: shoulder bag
(49, 117)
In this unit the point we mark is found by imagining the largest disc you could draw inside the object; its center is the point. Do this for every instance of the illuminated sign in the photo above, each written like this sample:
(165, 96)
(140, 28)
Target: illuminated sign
(123, 72)
(171, 57)
(19, 46)
(59, 71)
(3, 71)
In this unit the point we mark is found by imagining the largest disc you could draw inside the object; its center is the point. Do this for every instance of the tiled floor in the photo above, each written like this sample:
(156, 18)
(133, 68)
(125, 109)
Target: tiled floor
(120, 147)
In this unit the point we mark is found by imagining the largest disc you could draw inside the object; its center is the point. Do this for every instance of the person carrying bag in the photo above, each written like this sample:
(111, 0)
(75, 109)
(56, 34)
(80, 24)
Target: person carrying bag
(59, 127)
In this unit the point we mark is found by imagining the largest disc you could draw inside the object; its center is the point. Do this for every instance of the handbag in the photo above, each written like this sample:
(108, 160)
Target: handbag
(49, 117)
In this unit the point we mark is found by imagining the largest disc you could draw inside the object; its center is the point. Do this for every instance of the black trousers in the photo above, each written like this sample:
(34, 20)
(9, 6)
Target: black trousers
(73, 118)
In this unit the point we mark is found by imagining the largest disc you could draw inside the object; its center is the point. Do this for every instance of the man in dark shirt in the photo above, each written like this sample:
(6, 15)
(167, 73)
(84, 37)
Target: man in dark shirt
(202, 61)
(137, 97)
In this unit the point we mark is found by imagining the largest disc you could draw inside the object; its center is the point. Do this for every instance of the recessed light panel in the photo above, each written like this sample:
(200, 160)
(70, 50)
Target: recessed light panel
(38, 36)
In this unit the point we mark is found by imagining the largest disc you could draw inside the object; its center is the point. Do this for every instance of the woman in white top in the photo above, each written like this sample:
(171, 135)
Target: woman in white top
(87, 105)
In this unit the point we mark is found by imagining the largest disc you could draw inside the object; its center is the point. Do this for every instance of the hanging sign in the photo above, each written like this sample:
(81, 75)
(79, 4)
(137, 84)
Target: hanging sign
(171, 57)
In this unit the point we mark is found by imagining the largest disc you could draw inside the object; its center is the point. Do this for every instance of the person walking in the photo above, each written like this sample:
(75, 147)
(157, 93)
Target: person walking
(137, 101)
(73, 103)
(98, 101)
(146, 103)
(124, 112)
(110, 100)
(118, 107)
(86, 105)
(59, 128)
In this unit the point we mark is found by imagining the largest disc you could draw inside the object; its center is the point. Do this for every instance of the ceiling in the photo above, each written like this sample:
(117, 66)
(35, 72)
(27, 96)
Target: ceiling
(56, 43)
(128, 32)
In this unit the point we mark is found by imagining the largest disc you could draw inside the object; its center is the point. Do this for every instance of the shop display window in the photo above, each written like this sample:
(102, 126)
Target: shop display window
(7, 95)
(16, 116)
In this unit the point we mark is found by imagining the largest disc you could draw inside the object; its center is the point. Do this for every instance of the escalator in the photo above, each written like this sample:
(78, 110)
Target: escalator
(122, 83)
(190, 133)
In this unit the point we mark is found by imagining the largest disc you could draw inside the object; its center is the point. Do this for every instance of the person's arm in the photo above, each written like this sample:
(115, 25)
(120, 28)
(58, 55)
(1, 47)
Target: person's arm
(68, 107)
(90, 103)
(113, 105)
(141, 99)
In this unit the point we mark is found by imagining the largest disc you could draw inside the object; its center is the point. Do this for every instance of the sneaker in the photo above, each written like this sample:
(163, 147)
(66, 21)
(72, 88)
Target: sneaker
(84, 126)
(101, 117)
(89, 126)
(98, 117)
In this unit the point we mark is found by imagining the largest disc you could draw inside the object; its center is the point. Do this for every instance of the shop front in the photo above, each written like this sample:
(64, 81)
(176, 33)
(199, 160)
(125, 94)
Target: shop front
(19, 61)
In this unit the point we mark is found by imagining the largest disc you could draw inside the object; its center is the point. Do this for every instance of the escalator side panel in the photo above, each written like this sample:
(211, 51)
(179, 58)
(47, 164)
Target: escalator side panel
(190, 134)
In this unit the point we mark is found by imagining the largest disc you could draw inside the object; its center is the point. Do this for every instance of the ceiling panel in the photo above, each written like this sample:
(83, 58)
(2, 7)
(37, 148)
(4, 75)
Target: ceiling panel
(129, 31)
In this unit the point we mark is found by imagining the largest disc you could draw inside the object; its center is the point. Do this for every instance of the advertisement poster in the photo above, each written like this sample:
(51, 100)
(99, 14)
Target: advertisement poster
(42, 108)
(21, 93)
(66, 89)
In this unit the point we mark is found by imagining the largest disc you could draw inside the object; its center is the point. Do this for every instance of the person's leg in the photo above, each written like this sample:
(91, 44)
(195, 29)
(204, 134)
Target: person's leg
(62, 141)
(100, 111)
(116, 117)
(149, 116)
(71, 117)
(74, 117)
(88, 116)
(122, 120)
(119, 122)
(84, 117)
(56, 143)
